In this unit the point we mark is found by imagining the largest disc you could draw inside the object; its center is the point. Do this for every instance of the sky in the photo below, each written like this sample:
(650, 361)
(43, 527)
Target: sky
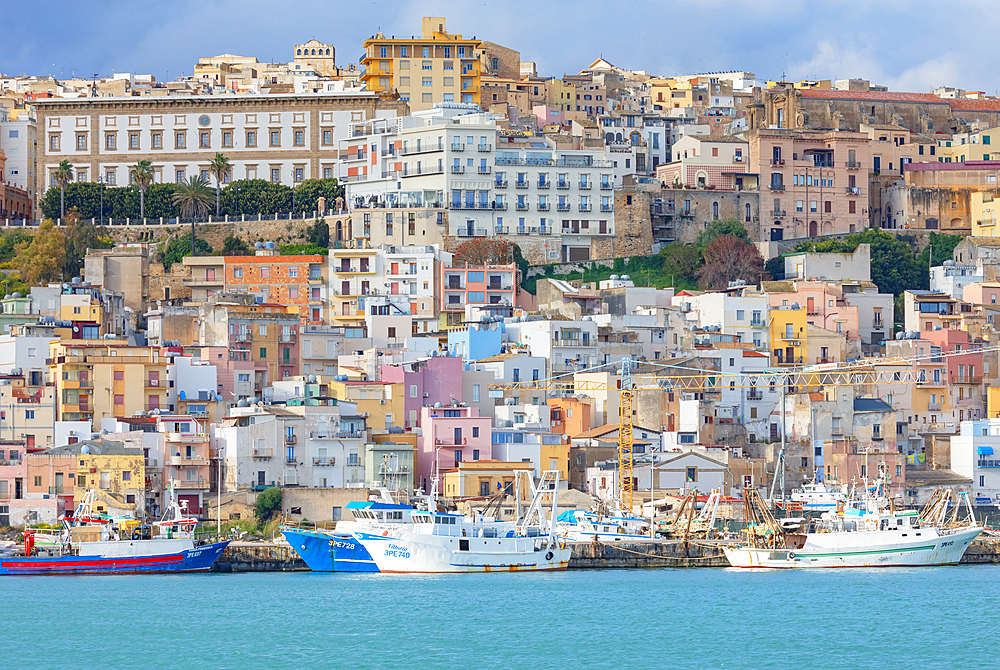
(905, 45)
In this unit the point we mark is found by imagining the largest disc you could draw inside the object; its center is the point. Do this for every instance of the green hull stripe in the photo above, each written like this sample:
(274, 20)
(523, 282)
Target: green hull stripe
(861, 553)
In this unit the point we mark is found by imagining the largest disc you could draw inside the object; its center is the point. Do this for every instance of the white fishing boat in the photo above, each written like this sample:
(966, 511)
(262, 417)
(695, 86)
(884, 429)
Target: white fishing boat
(818, 497)
(583, 526)
(857, 537)
(447, 542)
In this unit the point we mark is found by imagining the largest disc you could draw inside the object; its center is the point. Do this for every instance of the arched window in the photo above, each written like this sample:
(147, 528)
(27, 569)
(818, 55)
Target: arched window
(618, 136)
(313, 52)
(747, 208)
(298, 52)
(636, 138)
(327, 52)
(609, 137)
(715, 210)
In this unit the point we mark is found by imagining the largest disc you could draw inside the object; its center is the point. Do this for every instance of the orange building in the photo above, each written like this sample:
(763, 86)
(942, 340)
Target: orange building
(296, 281)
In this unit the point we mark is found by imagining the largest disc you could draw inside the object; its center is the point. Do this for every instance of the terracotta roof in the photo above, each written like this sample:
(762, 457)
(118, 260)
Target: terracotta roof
(753, 354)
(975, 105)
(874, 96)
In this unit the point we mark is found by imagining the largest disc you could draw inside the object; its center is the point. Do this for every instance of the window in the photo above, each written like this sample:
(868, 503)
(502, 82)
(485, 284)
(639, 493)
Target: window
(29, 414)
(263, 353)
(119, 399)
(180, 141)
(275, 175)
(299, 138)
(475, 431)
(299, 174)
(227, 139)
(53, 143)
(157, 140)
(275, 138)
(251, 138)
(133, 140)
(109, 142)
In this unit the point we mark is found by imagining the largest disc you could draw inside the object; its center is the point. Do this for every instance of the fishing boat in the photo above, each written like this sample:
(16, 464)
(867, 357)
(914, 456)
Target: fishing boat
(337, 550)
(817, 497)
(92, 543)
(857, 536)
(443, 542)
(591, 526)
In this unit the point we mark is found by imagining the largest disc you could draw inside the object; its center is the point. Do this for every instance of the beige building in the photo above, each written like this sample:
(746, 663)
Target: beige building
(812, 182)
(280, 138)
(316, 56)
(434, 67)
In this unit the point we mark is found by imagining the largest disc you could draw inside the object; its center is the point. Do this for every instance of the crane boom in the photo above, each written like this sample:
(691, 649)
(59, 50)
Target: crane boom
(626, 484)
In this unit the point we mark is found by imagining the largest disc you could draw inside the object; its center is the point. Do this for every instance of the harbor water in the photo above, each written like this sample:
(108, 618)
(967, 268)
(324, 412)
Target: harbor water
(665, 618)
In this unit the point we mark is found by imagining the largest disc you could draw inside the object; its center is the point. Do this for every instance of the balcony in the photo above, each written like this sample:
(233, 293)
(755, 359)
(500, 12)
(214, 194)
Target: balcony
(484, 148)
(755, 395)
(543, 206)
(203, 282)
(500, 183)
(179, 461)
(852, 165)
(544, 184)
(391, 151)
(933, 407)
(837, 430)
(290, 439)
(585, 187)
(263, 452)
(931, 383)
(777, 162)
(975, 381)
(286, 339)
(820, 360)
(777, 213)
(606, 208)
(200, 483)
(563, 186)
(188, 438)
(422, 149)
(584, 207)
(450, 442)
(500, 206)
(522, 207)
(457, 147)
(606, 186)
(789, 360)
(853, 190)
(324, 461)
(471, 205)
(422, 171)
(477, 232)
(520, 184)
(485, 169)
(563, 207)
(155, 383)
(776, 187)
(458, 169)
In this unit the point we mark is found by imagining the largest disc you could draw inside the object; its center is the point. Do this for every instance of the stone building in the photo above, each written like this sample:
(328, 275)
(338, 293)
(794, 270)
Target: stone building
(316, 56)
(940, 196)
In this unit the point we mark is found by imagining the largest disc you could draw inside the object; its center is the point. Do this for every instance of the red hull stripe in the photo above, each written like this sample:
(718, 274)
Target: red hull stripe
(96, 564)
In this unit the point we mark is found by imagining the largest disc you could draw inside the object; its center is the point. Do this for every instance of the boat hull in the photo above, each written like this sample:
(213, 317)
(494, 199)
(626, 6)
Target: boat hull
(330, 552)
(877, 549)
(421, 553)
(196, 559)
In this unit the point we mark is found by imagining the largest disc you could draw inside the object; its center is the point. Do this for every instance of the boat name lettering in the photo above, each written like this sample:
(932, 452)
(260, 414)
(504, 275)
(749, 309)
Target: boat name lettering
(947, 544)
(397, 551)
(341, 544)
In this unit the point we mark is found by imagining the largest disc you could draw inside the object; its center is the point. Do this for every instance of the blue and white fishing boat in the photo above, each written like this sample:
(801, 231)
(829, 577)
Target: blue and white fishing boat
(618, 526)
(337, 550)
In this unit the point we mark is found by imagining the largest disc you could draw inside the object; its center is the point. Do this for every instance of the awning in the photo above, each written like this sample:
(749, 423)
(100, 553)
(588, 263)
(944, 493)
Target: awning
(985, 451)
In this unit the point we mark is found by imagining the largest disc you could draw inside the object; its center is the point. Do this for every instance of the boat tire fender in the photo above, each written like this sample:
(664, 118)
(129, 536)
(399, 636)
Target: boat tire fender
(548, 555)
(791, 554)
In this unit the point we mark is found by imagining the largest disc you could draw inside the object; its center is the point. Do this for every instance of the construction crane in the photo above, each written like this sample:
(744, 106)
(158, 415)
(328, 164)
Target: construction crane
(791, 380)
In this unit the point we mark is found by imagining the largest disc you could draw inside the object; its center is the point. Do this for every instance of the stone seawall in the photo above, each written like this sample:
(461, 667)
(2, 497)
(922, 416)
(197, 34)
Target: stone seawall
(652, 554)
(258, 557)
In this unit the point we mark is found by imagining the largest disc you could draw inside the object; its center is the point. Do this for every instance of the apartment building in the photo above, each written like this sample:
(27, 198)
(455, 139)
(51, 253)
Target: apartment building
(18, 146)
(788, 334)
(451, 435)
(817, 181)
(281, 138)
(27, 413)
(103, 379)
(186, 459)
(389, 280)
(296, 281)
(708, 161)
(478, 286)
(434, 67)
(261, 336)
(739, 312)
(569, 346)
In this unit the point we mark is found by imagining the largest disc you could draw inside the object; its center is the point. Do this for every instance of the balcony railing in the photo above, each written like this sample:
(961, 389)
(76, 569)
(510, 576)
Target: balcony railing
(605, 208)
(500, 183)
(776, 187)
(563, 207)
(544, 184)
(155, 383)
(585, 187)
(837, 430)
(777, 213)
(484, 148)
(584, 207)
(563, 186)
(290, 439)
(324, 461)
(450, 442)
(543, 206)
(458, 169)
(522, 207)
(852, 165)
(789, 360)
(933, 407)
(606, 187)
(500, 206)
(485, 169)
(520, 184)
(853, 190)
(777, 162)
(422, 149)
(458, 147)
(263, 452)
(199, 483)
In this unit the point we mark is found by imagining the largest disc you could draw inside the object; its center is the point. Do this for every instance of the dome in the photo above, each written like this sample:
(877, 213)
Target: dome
(85, 449)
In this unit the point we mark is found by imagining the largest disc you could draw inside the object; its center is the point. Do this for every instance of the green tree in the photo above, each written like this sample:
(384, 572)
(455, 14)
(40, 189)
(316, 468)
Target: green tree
(43, 258)
(142, 177)
(193, 198)
(680, 260)
(268, 503)
(81, 236)
(943, 247)
(716, 228)
(9, 242)
(256, 196)
(177, 248)
(220, 167)
(304, 250)
(63, 176)
(775, 267)
(318, 233)
(308, 193)
(234, 246)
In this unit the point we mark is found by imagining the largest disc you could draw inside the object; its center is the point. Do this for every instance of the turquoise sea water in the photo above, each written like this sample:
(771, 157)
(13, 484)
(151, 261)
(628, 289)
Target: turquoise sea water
(695, 618)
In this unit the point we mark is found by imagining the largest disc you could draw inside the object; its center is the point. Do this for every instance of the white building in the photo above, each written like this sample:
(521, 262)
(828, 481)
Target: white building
(17, 140)
(733, 311)
(569, 346)
(952, 278)
(975, 455)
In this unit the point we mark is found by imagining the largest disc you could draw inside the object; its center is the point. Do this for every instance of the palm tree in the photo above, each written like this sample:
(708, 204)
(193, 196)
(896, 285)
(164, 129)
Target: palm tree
(194, 198)
(142, 176)
(219, 167)
(63, 176)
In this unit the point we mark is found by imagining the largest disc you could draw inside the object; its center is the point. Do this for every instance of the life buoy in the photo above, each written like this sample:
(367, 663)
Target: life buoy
(548, 555)
(791, 554)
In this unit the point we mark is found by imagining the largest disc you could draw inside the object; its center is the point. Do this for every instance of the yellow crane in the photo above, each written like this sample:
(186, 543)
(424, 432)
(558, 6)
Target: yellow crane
(791, 380)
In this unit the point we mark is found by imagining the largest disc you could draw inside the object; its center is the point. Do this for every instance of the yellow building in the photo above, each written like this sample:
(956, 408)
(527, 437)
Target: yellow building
(435, 67)
(383, 402)
(80, 307)
(473, 479)
(107, 466)
(993, 402)
(98, 379)
(788, 335)
(965, 147)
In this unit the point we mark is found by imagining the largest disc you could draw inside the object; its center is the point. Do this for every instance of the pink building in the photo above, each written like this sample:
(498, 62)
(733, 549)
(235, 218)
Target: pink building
(825, 306)
(426, 382)
(450, 436)
(480, 286)
(963, 362)
(186, 458)
(235, 375)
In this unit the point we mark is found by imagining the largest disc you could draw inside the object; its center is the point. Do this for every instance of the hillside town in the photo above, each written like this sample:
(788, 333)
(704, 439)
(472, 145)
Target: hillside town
(435, 268)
